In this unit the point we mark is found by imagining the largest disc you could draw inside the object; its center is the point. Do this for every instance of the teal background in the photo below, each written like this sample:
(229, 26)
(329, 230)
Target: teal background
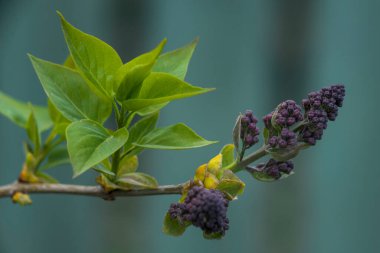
(256, 53)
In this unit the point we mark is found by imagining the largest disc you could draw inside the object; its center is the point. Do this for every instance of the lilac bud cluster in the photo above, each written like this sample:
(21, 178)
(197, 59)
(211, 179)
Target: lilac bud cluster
(320, 107)
(279, 122)
(249, 131)
(206, 209)
(285, 139)
(275, 169)
(288, 113)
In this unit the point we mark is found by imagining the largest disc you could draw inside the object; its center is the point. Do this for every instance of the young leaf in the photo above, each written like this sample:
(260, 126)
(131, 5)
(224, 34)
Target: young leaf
(57, 156)
(69, 92)
(89, 143)
(173, 226)
(136, 181)
(141, 128)
(228, 154)
(231, 185)
(128, 164)
(178, 136)
(19, 112)
(32, 131)
(159, 88)
(97, 60)
(177, 61)
(131, 75)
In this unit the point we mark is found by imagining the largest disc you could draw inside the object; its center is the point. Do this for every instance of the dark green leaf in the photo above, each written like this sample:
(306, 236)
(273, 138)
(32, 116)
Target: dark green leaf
(177, 136)
(173, 226)
(97, 60)
(89, 143)
(159, 88)
(19, 112)
(136, 181)
(69, 92)
(177, 61)
(131, 75)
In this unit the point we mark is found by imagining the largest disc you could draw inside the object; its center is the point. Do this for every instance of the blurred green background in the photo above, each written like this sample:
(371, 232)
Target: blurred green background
(256, 53)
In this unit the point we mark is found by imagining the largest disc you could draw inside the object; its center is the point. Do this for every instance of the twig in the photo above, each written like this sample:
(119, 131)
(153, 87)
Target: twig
(95, 191)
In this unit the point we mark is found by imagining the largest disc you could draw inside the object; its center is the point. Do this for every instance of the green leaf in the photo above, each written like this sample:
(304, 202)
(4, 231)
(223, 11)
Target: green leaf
(94, 58)
(141, 128)
(69, 92)
(177, 61)
(57, 157)
(228, 155)
(32, 131)
(89, 143)
(160, 88)
(173, 226)
(178, 136)
(136, 181)
(131, 75)
(19, 112)
(128, 164)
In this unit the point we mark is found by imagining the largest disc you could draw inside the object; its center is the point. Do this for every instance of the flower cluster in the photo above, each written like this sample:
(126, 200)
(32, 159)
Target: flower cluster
(287, 114)
(206, 209)
(249, 131)
(320, 107)
(279, 122)
(275, 169)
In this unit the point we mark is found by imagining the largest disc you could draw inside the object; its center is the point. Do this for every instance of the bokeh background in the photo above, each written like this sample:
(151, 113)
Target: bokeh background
(256, 53)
